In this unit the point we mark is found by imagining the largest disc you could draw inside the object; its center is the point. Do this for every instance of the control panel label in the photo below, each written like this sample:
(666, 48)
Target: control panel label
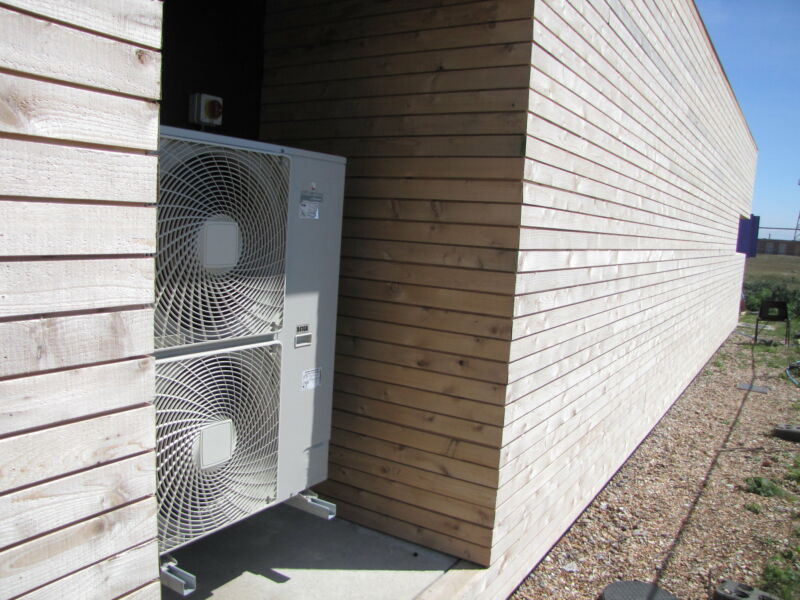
(311, 379)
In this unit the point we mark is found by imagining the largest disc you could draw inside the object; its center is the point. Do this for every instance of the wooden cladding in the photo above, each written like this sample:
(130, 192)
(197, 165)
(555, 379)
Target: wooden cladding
(78, 112)
(541, 210)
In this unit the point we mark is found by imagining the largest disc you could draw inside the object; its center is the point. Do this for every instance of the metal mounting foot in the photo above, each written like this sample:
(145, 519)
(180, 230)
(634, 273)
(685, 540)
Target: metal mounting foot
(179, 581)
(309, 502)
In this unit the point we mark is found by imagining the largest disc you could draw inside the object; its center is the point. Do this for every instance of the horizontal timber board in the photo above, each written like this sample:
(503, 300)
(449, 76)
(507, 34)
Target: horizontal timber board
(42, 170)
(38, 400)
(138, 22)
(477, 412)
(478, 494)
(151, 591)
(483, 236)
(491, 78)
(412, 457)
(479, 303)
(74, 56)
(476, 123)
(46, 286)
(435, 442)
(345, 21)
(112, 577)
(60, 502)
(470, 35)
(530, 386)
(462, 509)
(414, 533)
(420, 316)
(489, 101)
(457, 278)
(572, 405)
(446, 145)
(455, 527)
(58, 342)
(480, 57)
(31, 457)
(528, 321)
(460, 365)
(427, 167)
(43, 559)
(67, 229)
(600, 282)
(434, 210)
(459, 429)
(466, 257)
(427, 339)
(453, 385)
(36, 108)
(436, 188)
(557, 260)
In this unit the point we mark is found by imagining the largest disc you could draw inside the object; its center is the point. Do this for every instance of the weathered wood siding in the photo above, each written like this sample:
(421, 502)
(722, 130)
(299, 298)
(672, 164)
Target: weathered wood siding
(428, 101)
(538, 253)
(639, 164)
(79, 83)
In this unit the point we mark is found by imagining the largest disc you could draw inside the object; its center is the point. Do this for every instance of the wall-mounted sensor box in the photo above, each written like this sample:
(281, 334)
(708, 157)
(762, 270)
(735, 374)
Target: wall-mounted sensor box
(205, 109)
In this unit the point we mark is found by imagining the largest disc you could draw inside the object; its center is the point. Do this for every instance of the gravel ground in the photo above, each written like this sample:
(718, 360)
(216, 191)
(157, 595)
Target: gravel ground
(675, 513)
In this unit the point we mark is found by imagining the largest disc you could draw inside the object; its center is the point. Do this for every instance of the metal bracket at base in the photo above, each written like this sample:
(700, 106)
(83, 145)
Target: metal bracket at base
(309, 502)
(179, 581)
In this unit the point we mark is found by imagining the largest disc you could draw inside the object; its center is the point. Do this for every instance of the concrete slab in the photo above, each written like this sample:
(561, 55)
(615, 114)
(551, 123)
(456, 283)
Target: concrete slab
(284, 554)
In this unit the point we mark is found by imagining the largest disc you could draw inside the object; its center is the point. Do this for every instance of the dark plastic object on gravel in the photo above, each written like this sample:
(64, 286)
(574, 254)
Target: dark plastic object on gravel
(730, 590)
(787, 432)
(635, 590)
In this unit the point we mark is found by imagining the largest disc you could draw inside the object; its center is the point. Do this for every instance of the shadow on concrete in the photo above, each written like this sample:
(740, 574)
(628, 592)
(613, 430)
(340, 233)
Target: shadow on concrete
(285, 553)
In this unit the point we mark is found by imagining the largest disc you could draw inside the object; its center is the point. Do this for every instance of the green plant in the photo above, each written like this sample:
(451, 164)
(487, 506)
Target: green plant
(764, 487)
(793, 474)
(781, 575)
(753, 507)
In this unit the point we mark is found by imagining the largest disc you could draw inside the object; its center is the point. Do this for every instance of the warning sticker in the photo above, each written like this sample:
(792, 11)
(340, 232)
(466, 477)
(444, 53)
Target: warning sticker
(309, 205)
(311, 379)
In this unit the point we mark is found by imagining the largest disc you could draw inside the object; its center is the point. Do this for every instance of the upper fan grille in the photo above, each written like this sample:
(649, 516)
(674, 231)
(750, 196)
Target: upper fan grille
(230, 205)
(242, 388)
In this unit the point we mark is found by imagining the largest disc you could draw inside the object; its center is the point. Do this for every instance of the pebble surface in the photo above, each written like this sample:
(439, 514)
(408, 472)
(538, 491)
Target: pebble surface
(675, 514)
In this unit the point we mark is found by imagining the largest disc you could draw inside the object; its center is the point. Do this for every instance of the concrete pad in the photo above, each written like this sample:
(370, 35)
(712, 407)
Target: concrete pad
(283, 553)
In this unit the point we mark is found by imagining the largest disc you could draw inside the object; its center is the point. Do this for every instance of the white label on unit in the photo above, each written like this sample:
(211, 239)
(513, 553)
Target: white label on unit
(309, 205)
(311, 379)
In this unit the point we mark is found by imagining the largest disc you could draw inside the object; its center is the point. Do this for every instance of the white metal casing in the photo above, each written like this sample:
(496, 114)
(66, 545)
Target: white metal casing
(307, 334)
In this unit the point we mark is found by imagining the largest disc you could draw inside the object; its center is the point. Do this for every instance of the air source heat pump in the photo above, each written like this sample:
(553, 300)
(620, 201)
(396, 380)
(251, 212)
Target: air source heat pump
(247, 271)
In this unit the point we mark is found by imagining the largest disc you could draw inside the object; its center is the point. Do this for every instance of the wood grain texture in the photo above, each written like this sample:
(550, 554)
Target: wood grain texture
(40, 170)
(38, 400)
(59, 502)
(42, 454)
(535, 287)
(38, 229)
(42, 109)
(57, 554)
(78, 116)
(43, 286)
(58, 342)
(109, 578)
(70, 55)
(138, 21)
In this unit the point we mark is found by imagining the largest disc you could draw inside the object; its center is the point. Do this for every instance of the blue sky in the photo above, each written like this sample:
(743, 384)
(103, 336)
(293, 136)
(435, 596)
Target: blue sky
(758, 42)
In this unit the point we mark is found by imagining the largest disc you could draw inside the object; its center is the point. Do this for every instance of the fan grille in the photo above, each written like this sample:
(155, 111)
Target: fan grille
(242, 387)
(246, 192)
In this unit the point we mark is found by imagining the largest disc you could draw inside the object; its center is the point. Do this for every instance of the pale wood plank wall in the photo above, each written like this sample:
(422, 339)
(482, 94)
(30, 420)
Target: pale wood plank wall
(513, 281)
(79, 93)
(638, 166)
(428, 101)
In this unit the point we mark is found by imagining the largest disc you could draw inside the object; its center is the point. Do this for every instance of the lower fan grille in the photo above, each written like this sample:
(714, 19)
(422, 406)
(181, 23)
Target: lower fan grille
(217, 440)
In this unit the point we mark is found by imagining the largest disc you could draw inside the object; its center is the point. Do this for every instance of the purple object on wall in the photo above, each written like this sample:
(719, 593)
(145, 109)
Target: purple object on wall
(747, 241)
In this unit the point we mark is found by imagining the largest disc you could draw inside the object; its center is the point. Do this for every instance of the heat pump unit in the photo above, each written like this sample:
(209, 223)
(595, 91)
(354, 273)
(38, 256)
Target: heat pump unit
(247, 271)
